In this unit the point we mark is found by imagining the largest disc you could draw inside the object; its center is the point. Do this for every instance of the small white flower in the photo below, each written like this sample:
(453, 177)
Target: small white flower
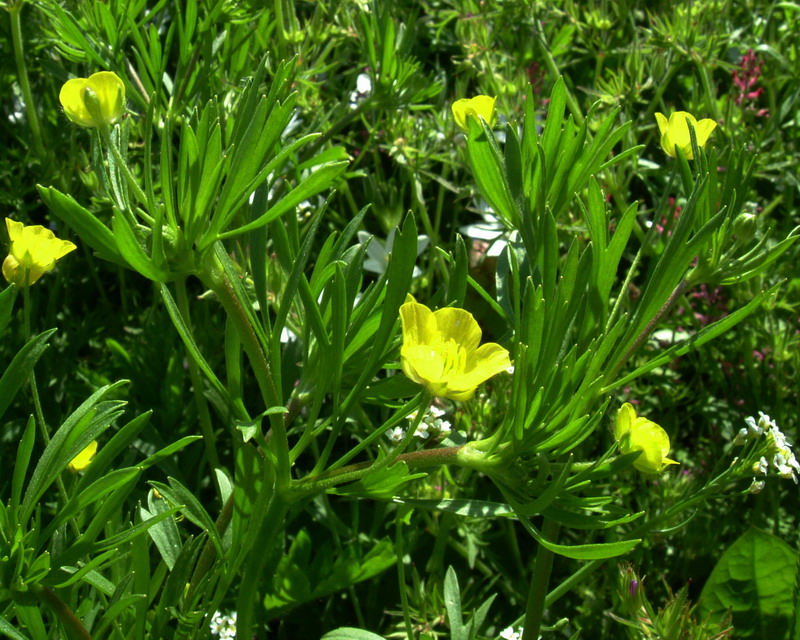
(765, 422)
(761, 466)
(786, 465)
(750, 432)
(509, 634)
(444, 427)
(436, 412)
(397, 434)
(757, 486)
(363, 89)
(778, 441)
(422, 430)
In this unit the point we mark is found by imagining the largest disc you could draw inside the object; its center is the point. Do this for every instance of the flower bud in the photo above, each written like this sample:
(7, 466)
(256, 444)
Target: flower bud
(744, 227)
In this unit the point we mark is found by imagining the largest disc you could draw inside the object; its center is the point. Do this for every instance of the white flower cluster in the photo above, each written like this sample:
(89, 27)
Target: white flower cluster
(779, 450)
(223, 626)
(509, 634)
(432, 425)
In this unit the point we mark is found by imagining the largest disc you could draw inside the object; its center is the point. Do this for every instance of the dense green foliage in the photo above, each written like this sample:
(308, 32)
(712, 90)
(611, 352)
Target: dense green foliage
(228, 329)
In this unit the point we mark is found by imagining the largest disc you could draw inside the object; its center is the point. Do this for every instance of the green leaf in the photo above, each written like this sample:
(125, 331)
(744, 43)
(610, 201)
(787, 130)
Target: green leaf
(106, 454)
(105, 485)
(488, 169)
(461, 507)
(18, 372)
(22, 461)
(452, 602)
(755, 580)
(185, 332)
(89, 229)
(381, 484)
(9, 630)
(350, 633)
(83, 425)
(165, 533)
(133, 252)
(7, 297)
(697, 340)
(177, 494)
(317, 182)
(312, 570)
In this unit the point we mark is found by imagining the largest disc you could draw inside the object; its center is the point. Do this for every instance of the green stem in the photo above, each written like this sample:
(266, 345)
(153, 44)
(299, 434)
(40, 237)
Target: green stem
(415, 460)
(401, 573)
(206, 559)
(122, 165)
(15, 9)
(272, 525)
(539, 580)
(70, 621)
(683, 285)
(201, 403)
(218, 281)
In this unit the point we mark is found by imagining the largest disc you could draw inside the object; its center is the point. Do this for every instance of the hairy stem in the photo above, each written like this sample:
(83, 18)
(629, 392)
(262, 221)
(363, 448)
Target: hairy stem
(15, 9)
(537, 595)
(70, 621)
(200, 401)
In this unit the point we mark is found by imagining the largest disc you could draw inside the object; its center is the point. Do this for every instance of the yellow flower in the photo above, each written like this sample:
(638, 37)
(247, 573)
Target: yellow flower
(84, 458)
(482, 106)
(34, 248)
(640, 434)
(675, 131)
(93, 101)
(440, 351)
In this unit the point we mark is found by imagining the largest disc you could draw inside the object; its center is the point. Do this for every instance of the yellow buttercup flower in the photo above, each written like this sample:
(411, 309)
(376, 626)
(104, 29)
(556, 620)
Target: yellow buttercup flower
(94, 101)
(34, 248)
(675, 131)
(640, 434)
(440, 351)
(482, 106)
(84, 458)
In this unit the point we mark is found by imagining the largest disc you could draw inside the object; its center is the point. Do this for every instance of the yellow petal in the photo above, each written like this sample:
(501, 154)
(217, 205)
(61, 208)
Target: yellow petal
(422, 363)
(667, 145)
(479, 106)
(14, 229)
(663, 123)
(679, 131)
(71, 98)
(110, 92)
(84, 458)
(458, 325)
(11, 270)
(625, 417)
(459, 109)
(419, 324)
(653, 441)
(703, 130)
(489, 360)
